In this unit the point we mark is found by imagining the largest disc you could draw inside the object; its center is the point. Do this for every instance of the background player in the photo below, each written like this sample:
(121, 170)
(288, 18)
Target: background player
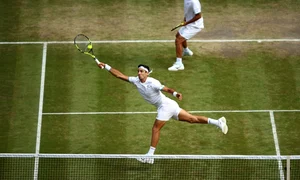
(193, 23)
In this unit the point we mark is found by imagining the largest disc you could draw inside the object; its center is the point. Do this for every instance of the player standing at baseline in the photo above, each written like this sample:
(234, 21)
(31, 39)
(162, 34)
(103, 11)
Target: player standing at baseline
(192, 24)
(150, 89)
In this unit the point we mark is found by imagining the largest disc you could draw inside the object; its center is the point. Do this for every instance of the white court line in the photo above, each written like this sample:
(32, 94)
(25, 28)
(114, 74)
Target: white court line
(154, 112)
(277, 148)
(39, 124)
(159, 41)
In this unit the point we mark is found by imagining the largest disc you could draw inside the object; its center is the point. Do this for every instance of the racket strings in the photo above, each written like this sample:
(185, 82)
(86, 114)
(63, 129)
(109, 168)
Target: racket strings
(83, 43)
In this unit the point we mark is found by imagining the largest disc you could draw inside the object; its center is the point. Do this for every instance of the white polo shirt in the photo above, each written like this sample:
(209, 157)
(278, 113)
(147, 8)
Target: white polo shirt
(150, 90)
(191, 8)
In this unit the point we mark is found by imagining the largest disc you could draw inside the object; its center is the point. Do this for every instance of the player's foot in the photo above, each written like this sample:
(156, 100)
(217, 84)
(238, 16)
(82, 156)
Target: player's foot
(223, 125)
(146, 160)
(176, 66)
(187, 52)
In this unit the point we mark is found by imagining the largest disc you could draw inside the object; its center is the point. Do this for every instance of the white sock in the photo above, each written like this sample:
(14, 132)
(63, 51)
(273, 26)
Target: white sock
(151, 150)
(179, 60)
(213, 121)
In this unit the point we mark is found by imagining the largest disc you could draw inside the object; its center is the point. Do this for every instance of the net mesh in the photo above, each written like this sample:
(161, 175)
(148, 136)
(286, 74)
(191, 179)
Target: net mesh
(164, 167)
(16, 168)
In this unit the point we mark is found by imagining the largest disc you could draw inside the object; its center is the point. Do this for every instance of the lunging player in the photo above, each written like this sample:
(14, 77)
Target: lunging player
(151, 90)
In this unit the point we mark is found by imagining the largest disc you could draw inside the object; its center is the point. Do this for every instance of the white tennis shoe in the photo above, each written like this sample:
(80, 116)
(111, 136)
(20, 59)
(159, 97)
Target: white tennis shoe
(176, 66)
(146, 159)
(187, 52)
(222, 125)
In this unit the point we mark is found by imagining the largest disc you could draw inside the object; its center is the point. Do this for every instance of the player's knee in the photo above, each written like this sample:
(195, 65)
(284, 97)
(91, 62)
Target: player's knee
(155, 129)
(179, 40)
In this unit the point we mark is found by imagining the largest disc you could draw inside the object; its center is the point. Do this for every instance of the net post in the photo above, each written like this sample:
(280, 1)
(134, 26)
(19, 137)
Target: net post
(288, 167)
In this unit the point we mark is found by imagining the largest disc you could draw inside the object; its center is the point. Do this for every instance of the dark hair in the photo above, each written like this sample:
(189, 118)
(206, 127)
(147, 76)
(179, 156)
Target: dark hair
(145, 66)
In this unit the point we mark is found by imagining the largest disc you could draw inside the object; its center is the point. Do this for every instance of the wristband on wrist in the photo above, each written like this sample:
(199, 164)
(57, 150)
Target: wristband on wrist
(107, 67)
(174, 94)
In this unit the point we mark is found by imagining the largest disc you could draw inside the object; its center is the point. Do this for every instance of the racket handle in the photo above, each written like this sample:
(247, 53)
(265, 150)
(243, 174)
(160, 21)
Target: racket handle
(97, 61)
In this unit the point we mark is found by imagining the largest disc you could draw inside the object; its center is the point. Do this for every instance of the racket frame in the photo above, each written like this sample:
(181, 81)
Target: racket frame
(89, 47)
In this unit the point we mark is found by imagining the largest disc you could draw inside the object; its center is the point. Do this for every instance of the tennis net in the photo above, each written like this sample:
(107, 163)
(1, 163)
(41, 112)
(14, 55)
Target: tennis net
(121, 166)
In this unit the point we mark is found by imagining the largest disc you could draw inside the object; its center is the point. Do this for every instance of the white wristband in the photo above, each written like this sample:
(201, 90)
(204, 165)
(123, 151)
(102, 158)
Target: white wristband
(174, 94)
(107, 67)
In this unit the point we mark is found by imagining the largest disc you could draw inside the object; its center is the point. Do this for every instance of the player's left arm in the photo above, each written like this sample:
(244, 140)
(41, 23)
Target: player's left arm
(173, 92)
(195, 18)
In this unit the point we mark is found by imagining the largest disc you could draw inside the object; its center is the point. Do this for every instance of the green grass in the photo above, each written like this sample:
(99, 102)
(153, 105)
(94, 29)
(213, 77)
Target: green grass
(288, 140)
(130, 134)
(220, 76)
(251, 80)
(20, 83)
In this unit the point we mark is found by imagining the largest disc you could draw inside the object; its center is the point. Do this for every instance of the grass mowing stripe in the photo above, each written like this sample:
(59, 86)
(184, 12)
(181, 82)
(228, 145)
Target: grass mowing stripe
(39, 125)
(19, 99)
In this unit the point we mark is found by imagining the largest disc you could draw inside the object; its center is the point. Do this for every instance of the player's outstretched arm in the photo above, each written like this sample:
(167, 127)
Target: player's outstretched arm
(173, 92)
(113, 71)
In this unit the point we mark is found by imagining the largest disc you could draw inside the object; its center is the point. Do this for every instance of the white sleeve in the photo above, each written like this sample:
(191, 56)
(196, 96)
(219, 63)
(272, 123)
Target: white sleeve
(197, 7)
(132, 79)
(158, 85)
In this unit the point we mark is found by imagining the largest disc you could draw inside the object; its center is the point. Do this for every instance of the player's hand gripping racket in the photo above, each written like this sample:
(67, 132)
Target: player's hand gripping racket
(84, 45)
(177, 26)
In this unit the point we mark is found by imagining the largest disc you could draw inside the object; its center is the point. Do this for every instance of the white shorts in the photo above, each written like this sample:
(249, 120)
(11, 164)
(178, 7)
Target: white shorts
(189, 31)
(169, 109)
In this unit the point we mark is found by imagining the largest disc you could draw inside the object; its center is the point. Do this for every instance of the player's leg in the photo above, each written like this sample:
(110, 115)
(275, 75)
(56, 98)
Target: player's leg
(188, 33)
(179, 44)
(178, 65)
(154, 141)
(186, 50)
(184, 44)
(156, 132)
(164, 113)
(187, 117)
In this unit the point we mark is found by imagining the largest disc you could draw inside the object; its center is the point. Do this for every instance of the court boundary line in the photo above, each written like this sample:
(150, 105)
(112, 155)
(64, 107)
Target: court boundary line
(157, 41)
(40, 113)
(276, 143)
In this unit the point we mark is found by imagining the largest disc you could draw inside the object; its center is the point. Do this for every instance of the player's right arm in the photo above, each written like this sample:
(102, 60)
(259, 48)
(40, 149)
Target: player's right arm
(173, 92)
(114, 72)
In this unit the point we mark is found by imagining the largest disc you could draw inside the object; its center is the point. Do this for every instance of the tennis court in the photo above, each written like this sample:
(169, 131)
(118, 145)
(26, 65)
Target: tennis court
(64, 118)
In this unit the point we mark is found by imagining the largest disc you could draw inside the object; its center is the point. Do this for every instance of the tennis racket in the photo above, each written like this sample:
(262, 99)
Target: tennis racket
(84, 45)
(177, 26)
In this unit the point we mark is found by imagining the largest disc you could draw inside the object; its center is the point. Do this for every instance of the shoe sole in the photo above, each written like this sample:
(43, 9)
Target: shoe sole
(176, 69)
(225, 129)
(144, 161)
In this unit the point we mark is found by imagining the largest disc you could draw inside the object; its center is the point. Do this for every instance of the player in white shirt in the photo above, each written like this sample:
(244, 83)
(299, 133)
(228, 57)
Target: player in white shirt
(151, 90)
(193, 23)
